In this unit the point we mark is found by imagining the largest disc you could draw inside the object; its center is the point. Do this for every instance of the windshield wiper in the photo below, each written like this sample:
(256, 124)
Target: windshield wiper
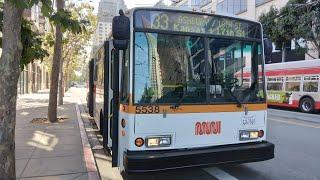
(239, 104)
(176, 105)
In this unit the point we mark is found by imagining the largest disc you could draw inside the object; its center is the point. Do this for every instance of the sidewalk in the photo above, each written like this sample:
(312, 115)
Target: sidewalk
(52, 151)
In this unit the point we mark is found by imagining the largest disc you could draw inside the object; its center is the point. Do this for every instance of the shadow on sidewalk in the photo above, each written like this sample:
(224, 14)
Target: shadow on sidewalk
(47, 149)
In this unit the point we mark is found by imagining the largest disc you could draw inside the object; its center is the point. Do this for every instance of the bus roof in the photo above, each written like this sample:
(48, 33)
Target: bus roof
(294, 65)
(296, 68)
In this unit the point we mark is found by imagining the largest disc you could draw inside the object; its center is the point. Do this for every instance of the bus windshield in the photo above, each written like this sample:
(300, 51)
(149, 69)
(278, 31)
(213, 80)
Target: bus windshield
(196, 66)
(170, 67)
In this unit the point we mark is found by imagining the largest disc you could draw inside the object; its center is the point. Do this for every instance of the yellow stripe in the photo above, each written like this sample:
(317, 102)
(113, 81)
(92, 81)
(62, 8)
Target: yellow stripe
(199, 108)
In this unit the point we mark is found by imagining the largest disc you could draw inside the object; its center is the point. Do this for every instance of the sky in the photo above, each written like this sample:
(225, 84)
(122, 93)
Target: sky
(129, 3)
(134, 3)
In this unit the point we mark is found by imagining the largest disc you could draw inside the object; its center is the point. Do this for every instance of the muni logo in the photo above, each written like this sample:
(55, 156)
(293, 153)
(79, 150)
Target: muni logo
(208, 128)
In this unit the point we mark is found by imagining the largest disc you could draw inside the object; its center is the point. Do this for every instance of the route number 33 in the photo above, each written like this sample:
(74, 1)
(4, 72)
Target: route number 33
(161, 22)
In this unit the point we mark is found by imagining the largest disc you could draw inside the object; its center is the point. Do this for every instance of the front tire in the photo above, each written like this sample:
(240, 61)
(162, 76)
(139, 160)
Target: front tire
(307, 105)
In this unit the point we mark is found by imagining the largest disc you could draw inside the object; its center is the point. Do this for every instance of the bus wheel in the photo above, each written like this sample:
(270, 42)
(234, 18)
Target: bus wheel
(101, 123)
(306, 105)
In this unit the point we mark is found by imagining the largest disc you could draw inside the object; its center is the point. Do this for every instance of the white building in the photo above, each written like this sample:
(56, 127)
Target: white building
(106, 11)
(249, 9)
(197, 5)
(164, 3)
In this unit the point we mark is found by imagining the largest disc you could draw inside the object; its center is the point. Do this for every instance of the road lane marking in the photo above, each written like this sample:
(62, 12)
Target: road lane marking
(294, 123)
(219, 174)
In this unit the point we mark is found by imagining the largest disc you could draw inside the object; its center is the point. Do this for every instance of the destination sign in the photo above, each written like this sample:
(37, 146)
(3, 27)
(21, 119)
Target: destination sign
(196, 23)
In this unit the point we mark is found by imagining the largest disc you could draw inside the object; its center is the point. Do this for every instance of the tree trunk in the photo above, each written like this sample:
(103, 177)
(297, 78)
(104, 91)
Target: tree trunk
(61, 88)
(284, 55)
(9, 75)
(66, 77)
(52, 108)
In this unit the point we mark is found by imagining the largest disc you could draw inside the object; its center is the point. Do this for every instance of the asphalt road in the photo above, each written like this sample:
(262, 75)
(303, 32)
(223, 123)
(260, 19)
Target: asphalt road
(297, 155)
(297, 149)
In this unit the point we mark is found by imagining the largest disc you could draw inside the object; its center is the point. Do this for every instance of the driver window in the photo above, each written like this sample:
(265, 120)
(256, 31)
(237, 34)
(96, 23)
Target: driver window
(231, 61)
(226, 63)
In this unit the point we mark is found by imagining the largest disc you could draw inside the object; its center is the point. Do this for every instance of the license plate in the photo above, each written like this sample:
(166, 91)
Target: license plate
(248, 120)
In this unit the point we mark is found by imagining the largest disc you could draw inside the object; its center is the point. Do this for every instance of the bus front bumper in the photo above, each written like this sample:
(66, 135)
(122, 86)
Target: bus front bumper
(144, 161)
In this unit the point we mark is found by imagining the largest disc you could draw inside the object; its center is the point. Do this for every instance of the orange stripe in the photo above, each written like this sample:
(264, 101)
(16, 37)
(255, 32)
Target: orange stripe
(199, 108)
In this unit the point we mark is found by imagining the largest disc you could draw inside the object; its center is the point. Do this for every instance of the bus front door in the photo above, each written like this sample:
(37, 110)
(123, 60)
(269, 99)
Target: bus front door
(114, 106)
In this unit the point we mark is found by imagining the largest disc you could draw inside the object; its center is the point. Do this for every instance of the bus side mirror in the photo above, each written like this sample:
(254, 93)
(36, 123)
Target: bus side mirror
(267, 47)
(121, 31)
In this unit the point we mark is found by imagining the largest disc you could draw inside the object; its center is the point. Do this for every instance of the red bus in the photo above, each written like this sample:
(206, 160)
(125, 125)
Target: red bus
(294, 84)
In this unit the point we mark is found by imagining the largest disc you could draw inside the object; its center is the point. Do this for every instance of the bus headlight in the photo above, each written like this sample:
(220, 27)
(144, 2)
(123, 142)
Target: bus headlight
(158, 141)
(248, 135)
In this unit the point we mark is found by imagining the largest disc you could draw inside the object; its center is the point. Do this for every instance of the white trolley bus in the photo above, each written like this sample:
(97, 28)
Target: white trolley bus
(294, 84)
(169, 92)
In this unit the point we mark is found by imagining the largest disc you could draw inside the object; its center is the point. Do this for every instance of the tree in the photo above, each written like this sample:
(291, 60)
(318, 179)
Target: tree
(57, 54)
(20, 46)
(64, 22)
(279, 27)
(74, 44)
(307, 29)
(10, 64)
(9, 70)
(298, 21)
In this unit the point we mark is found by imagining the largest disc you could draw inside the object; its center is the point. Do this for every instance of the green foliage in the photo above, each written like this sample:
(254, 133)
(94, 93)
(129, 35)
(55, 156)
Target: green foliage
(31, 41)
(46, 8)
(268, 21)
(74, 45)
(64, 18)
(32, 45)
(49, 40)
(278, 28)
(61, 17)
(299, 20)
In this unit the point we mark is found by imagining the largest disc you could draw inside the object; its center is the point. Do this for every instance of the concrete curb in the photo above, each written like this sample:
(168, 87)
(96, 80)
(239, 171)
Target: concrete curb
(88, 157)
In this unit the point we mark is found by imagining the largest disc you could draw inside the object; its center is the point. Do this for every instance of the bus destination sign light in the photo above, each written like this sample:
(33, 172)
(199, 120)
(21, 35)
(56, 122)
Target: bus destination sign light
(196, 23)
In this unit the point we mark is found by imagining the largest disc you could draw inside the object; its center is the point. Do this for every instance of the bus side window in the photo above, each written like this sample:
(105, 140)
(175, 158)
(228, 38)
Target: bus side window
(275, 83)
(310, 83)
(125, 77)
